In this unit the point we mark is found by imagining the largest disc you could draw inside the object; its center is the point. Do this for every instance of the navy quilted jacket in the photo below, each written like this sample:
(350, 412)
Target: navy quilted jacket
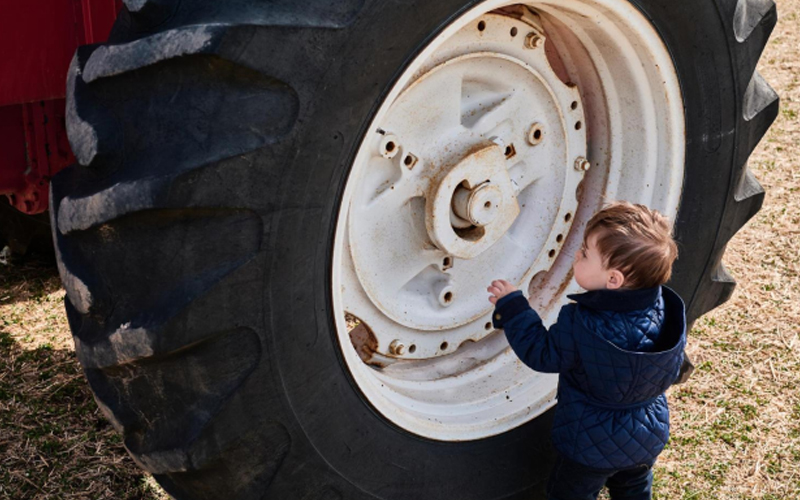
(616, 353)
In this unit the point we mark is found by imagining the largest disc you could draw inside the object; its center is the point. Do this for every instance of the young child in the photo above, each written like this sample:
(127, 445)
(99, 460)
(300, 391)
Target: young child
(617, 349)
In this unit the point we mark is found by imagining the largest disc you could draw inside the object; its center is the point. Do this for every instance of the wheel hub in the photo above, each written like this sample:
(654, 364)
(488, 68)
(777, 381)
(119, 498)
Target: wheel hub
(472, 161)
(477, 206)
(474, 205)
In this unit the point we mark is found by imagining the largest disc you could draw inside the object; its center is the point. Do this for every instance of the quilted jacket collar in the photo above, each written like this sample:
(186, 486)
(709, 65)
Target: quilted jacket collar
(618, 300)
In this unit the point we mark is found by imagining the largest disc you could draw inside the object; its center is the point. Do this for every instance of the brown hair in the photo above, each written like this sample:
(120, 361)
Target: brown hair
(635, 240)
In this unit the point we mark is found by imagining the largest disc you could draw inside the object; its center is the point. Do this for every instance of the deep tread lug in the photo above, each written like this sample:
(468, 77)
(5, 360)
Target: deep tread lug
(747, 201)
(753, 22)
(209, 372)
(714, 291)
(759, 110)
(184, 130)
(111, 60)
(760, 99)
(748, 15)
(94, 134)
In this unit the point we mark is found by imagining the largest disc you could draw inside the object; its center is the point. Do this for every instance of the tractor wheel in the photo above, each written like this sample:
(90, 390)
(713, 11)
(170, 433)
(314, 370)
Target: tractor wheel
(277, 242)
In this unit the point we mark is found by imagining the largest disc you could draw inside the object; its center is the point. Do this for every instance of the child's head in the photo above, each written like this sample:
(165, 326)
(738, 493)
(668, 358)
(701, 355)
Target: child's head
(625, 246)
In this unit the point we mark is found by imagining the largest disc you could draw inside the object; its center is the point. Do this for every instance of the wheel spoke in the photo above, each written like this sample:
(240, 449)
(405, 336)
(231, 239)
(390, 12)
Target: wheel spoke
(483, 103)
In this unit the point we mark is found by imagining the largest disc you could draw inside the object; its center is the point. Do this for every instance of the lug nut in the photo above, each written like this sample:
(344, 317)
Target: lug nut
(397, 348)
(582, 164)
(533, 40)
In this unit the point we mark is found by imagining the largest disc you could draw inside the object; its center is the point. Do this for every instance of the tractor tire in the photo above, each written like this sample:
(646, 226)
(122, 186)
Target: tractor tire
(195, 236)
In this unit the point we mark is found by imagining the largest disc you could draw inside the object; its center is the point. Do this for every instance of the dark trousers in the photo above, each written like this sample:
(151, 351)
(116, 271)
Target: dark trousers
(573, 481)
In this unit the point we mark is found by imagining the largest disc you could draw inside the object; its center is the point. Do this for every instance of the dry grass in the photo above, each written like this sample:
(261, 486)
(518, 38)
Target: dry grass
(736, 424)
(54, 443)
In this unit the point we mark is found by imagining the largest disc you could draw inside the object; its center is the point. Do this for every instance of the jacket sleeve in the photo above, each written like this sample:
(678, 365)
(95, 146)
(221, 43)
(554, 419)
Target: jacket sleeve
(548, 351)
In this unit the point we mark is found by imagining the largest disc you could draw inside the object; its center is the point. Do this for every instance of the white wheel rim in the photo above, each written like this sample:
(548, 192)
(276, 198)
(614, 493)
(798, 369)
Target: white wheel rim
(486, 103)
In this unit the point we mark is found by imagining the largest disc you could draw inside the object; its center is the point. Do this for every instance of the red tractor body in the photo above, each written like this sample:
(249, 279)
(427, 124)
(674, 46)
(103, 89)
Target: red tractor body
(40, 37)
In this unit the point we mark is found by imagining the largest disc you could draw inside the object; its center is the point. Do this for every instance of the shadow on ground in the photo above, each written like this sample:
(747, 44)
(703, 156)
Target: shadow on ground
(54, 442)
(28, 277)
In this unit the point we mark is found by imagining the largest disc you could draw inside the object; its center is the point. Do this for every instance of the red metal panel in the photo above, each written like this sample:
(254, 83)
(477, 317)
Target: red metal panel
(34, 147)
(39, 37)
(12, 149)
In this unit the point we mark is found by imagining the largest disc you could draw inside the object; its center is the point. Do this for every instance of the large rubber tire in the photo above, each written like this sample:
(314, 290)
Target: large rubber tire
(195, 238)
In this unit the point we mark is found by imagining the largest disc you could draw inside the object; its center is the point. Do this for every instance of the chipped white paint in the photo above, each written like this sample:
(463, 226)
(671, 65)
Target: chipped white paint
(110, 60)
(626, 118)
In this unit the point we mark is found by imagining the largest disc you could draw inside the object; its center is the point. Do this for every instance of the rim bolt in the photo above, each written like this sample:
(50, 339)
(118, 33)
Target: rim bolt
(397, 348)
(533, 40)
(390, 146)
(536, 134)
(582, 164)
(446, 296)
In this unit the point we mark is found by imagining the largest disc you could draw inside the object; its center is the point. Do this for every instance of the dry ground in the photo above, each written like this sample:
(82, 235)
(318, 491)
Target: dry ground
(736, 424)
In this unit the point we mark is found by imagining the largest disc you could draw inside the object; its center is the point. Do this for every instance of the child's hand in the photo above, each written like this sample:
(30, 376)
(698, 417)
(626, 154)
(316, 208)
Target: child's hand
(499, 289)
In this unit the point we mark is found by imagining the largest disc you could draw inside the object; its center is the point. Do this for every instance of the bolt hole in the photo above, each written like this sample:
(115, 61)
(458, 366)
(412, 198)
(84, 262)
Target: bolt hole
(578, 125)
(447, 262)
(551, 253)
(537, 134)
(443, 347)
(488, 325)
(510, 151)
(481, 26)
(408, 160)
(574, 105)
(390, 146)
(448, 297)
(560, 238)
(514, 31)
(412, 348)
(568, 217)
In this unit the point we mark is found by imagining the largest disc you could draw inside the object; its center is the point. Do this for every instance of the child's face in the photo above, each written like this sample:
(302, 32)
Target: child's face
(590, 273)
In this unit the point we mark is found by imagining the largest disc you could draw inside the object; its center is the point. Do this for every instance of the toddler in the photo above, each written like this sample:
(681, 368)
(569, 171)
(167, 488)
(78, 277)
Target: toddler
(617, 348)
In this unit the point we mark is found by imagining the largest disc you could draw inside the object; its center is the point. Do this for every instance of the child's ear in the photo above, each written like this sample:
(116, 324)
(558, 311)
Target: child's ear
(615, 279)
